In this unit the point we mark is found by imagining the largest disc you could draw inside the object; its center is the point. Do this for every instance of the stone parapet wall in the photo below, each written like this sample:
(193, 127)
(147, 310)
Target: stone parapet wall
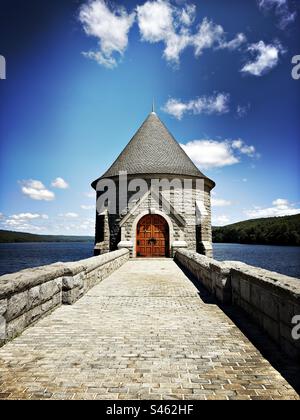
(28, 295)
(101, 248)
(85, 274)
(214, 275)
(271, 299)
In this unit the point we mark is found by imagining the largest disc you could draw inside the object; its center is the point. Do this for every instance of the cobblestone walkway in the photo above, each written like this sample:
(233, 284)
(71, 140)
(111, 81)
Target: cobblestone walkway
(143, 333)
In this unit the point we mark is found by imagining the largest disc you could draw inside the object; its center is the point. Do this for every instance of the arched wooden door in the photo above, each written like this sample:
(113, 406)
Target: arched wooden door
(152, 237)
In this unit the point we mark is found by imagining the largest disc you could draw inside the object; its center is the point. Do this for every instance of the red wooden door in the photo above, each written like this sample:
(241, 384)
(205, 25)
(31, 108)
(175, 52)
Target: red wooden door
(152, 237)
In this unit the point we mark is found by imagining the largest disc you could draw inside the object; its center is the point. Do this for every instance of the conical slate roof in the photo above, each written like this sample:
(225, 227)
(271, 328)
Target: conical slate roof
(153, 150)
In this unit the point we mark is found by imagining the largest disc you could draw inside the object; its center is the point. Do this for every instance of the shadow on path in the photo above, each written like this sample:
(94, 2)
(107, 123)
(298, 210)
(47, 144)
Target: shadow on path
(288, 368)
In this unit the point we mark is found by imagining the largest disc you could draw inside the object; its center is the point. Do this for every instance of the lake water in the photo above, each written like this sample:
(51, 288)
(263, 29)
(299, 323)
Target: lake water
(283, 259)
(17, 256)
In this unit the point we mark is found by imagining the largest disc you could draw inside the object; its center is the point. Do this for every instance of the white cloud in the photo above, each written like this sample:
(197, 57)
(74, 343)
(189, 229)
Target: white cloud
(22, 226)
(160, 21)
(175, 45)
(235, 43)
(60, 183)
(211, 35)
(90, 194)
(242, 110)
(157, 22)
(69, 215)
(28, 216)
(208, 34)
(175, 107)
(220, 202)
(110, 27)
(187, 15)
(281, 207)
(243, 148)
(281, 9)
(78, 226)
(218, 103)
(267, 57)
(281, 203)
(209, 154)
(85, 207)
(22, 222)
(220, 220)
(65, 224)
(36, 190)
(88, 225)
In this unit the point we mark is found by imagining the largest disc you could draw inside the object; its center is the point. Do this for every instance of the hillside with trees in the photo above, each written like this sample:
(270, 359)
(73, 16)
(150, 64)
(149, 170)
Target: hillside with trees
(7, 236)
(268, 231)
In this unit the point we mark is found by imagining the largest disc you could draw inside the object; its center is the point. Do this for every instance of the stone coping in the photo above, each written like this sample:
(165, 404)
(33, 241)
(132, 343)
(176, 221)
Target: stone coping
(92, 263)
(271, 280)
(31, 277)
(198, 258)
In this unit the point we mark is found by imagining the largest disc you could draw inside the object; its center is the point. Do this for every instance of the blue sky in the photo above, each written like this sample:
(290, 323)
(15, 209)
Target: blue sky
(80, 81)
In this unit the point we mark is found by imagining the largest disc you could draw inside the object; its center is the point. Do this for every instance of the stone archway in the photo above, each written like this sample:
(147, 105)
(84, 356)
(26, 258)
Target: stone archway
(152, 236)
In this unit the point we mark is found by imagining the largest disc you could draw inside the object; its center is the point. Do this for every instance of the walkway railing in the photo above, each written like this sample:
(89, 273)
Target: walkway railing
(271, 299)
(28, 295)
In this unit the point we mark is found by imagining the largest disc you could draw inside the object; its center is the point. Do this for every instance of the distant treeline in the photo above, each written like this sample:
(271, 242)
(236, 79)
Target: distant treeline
(7, 236)
(269, 231)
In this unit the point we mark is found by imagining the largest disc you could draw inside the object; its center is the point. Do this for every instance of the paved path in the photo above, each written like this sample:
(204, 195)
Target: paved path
(143, 333)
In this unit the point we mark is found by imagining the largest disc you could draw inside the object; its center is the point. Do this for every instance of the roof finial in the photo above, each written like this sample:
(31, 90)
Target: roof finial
(153, 106)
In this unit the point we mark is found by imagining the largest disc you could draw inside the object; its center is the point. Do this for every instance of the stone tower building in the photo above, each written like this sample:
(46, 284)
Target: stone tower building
(162, 199)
